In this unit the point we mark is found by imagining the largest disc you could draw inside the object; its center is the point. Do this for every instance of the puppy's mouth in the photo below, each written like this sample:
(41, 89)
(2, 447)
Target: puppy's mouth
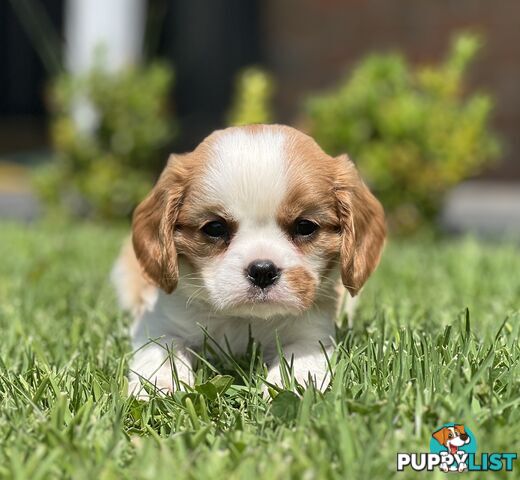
(264, 303)
(261, 295)
(453, 449)
(270, 296)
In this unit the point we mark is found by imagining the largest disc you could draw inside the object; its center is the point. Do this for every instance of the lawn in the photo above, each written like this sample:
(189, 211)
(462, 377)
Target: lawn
(436, 340)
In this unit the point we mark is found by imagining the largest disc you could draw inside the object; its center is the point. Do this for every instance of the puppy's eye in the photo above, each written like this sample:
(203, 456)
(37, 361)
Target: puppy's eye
(304, 228)
(216, 229)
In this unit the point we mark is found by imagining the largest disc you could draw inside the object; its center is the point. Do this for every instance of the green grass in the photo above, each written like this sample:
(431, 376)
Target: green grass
(415, 359)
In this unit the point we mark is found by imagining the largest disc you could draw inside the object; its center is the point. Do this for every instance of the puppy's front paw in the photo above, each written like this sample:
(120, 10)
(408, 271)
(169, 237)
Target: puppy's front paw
(274, 377)
(163, 382)
(302, 376)
(160, 370)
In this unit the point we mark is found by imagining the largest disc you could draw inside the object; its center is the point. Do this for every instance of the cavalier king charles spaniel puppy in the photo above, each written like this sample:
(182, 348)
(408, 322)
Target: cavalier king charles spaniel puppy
(248, 235)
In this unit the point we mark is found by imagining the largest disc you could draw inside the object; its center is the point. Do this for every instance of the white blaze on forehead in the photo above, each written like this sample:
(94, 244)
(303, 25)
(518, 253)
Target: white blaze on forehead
(246, 172)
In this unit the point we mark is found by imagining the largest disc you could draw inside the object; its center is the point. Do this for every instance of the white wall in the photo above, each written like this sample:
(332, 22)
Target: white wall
(116, 25)
(114, 28)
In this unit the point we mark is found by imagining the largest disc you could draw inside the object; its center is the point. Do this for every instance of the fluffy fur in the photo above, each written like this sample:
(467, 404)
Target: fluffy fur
(178, 281)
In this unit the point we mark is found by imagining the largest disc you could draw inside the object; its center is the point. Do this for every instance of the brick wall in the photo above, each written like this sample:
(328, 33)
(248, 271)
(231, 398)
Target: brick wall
(309, 44)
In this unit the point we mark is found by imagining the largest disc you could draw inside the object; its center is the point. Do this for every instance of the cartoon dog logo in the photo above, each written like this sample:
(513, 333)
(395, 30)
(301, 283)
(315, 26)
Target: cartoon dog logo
(452, 438)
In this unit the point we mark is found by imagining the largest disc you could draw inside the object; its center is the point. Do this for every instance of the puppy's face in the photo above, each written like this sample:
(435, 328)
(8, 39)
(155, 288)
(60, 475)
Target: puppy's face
(258, 218)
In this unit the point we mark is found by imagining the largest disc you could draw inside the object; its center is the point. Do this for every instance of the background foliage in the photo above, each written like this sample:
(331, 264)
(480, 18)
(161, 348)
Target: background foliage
(414, 132)
(109, 131)
(252, 99)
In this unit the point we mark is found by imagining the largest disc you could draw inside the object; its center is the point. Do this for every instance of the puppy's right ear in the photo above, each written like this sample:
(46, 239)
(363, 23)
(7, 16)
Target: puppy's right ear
(153, 225)
(441, 436)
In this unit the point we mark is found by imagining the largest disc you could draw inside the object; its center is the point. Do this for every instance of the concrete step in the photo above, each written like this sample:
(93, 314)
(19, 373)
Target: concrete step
(483, 207)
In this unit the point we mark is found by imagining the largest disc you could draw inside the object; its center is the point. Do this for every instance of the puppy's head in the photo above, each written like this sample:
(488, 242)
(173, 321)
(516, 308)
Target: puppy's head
(259, 218)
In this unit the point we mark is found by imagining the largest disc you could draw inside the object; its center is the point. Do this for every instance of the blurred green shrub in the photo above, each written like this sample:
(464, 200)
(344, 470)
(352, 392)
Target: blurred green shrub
(106, 163)
(252, 99)
(412, 131)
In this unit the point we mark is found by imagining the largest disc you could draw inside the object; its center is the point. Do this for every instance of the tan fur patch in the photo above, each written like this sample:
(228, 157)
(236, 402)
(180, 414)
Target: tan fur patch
(310, 195)
(168, 221)
(195, 246)
(363, 226)
(302, 284)
(330, 192)
(154, 223)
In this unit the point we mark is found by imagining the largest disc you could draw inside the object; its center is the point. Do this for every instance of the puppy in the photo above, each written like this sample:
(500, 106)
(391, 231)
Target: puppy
(247, 233)
(452, 438)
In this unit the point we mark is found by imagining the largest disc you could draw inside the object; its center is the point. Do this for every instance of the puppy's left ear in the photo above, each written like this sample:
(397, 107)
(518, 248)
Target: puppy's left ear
(362, 224)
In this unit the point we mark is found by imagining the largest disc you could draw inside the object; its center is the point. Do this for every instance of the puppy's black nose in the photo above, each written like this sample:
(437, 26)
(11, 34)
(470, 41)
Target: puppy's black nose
(463, 436)
(262, 273)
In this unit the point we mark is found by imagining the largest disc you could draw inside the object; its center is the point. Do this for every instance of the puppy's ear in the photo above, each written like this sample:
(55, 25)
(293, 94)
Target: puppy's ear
(460, 429)
(362, 223)
(441, 436)
(153, 226)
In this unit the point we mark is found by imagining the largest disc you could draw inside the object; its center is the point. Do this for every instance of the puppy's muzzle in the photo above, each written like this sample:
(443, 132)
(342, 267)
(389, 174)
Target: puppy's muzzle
(262, 273)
